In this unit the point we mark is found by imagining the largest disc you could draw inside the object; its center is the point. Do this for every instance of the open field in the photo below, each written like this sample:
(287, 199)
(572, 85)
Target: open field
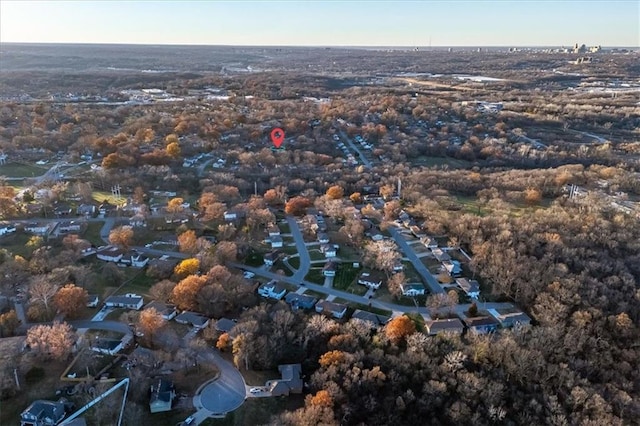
(21, 170)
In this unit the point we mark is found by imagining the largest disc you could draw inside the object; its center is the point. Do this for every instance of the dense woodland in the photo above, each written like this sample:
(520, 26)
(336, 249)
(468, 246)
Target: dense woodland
(572, 264)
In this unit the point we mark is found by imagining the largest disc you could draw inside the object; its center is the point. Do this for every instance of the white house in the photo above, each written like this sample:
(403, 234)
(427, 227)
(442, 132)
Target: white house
(192, 318)
(270, 258)
(6, 228)
(276, 241)
(110, 254)
(329, 250)
(429, 242)
(370, 279)
(92, 301)
(329, 269)
(272, 290)
(273, 231)
(139, 260)
(376, 235)
(129, 300)
(37, 228)
(412, 290)
(168, 312)
(323, 238)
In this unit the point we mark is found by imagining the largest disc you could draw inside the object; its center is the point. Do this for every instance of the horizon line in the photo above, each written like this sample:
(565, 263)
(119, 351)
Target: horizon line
(300, 45)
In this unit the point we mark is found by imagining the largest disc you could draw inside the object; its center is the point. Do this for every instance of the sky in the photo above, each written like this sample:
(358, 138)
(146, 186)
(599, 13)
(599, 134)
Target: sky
(325, 23)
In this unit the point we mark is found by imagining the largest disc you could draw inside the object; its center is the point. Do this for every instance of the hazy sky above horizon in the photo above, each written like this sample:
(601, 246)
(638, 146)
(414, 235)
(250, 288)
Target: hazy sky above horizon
(324, 23)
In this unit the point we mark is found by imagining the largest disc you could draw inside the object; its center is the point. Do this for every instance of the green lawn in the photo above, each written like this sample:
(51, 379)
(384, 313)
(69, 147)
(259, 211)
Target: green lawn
(92, 233)
(315, 254)
(139, 283)
(254, 259)
(257, 411)
(314, 293)
(363, 307)
(345, 276)
(315, 276)
(284, 228)
(417, 319)
(280, 266)
(21, 170)
(294, 262)
(16, 244)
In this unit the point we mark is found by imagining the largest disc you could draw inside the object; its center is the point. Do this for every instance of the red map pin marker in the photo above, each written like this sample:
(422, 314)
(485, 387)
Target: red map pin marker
(277, 136)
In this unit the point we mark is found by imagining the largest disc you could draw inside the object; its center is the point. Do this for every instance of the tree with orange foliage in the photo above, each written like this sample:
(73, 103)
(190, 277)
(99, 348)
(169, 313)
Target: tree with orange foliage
(122, 236)
(70, 300)
(356, 198)
(532, 196)
(332, 357)
(187, 242)
(223, 342)
(184, 294)
(335, 192)
(173, 150)
(187, 267)
(297, 206)
(51, 341)
(150, 321)
(321, 398)
(210, 207)
(399, 328)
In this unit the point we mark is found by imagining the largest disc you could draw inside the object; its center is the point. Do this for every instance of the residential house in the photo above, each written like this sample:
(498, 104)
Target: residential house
(291, 381)
(92, 301)
(323, 238)
(69, 226)
(448, 325)
(440, 255)
(510, 319)
(138, 221)
(106, 208)
(43, 413)
(62, 209)
(276, 241)
(429, 242)
(482, 325)
(192, 318)
(272, 290)
(371, 279)
(329, 269)
(167, 311)
(234, 214)
(110, 254)
(336, 310)
(129, 301)
(224, 325)
(453, 267)
(398, 266)
(300, 301)
(412, 289)
(273, 230)
(470, 287)
(162, 394)
(329, 250)
(375, 235)
(371, 318)
(417, 231)
(138, 260)
(38, 228)
(7, 228)
(107, 346)
(270, 258)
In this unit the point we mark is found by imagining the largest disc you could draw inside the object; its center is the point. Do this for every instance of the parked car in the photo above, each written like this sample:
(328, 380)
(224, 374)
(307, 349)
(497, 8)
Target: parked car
(255, 390)
(249, 274)
(189, 420)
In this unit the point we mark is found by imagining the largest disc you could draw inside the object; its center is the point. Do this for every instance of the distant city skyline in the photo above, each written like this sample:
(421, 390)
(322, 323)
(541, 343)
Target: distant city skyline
(325, 23)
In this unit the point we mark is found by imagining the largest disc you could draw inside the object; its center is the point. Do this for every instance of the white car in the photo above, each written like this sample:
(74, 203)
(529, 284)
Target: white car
(248, 274)
(255, 390)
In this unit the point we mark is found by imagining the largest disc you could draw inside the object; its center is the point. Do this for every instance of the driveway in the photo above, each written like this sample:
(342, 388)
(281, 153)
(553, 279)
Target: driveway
(427, 278)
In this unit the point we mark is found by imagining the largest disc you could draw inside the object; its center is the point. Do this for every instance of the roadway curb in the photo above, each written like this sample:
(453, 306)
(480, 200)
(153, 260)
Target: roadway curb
(216, 377)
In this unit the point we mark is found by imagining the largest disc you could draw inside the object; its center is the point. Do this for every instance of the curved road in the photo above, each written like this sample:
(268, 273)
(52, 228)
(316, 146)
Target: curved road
(224, 394)
(305, 259)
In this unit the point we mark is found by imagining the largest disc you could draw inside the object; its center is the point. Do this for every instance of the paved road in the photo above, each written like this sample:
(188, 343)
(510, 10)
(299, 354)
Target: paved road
(102, 325)
(428, 279)
(305, 260)
(224, 394)
(353, 146)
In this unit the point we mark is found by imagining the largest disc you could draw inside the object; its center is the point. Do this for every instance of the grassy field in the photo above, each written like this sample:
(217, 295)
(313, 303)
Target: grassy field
(101, 196)
(345, 276)
(280, 266)
(92, 233)
(315, 254)
(294, 262)
(21, 170)
(284, 228)
(315, 276)
(16, 244)
(254, 259)
(314, 293)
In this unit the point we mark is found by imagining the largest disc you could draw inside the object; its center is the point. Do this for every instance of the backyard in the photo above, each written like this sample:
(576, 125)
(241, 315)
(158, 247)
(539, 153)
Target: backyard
(18, 170)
